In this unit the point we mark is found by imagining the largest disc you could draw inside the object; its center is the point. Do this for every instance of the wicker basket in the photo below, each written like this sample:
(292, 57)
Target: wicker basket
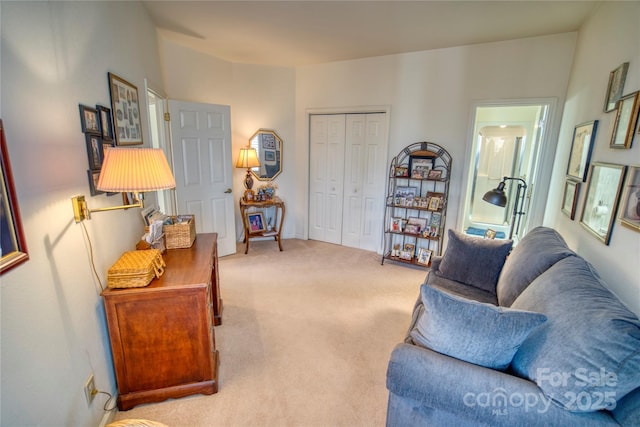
(135, 269)
(180, 235)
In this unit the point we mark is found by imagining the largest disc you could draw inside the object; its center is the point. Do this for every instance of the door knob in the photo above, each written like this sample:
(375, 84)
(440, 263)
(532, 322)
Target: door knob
(228, 191)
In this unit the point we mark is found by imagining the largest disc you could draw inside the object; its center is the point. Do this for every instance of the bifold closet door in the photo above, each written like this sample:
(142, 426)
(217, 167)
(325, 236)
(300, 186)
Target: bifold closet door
(347, 167)
(326, 175)
(364, 180)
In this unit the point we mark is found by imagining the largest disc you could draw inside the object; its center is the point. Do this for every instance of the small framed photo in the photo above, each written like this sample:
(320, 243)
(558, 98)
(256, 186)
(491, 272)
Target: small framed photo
(396, 225)
(420, 222)
(424, 256)
(408, 251)
(401, 171)
(95, 151)
(125, 111)
(435, 201)
(412, 228)
(630, 205)
(89, 120)
(626, 120)
(255, 222)
(106, 122)
(419, 166)
(435, 174)
(581, 147)
(615, 87)
(93, 176)
(490, 233)
(570, 198)
(601, 202)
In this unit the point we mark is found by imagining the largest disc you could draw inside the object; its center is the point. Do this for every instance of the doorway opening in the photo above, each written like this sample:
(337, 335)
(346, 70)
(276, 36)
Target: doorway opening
(508, 140)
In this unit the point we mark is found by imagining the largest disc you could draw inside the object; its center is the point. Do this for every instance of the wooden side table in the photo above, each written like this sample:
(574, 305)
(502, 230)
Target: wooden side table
(248, 207)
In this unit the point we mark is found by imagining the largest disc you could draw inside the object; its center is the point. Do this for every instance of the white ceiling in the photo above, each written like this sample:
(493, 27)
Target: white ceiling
(294, 33)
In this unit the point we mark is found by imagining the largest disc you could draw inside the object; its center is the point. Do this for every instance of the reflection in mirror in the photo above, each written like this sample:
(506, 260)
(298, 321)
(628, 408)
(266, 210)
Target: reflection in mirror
(268, 145)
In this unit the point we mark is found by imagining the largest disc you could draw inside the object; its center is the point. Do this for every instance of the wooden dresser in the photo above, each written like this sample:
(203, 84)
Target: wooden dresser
(162, 336)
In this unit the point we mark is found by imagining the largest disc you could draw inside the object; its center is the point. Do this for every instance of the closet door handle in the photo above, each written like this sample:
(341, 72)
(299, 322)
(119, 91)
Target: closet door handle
(228, 191)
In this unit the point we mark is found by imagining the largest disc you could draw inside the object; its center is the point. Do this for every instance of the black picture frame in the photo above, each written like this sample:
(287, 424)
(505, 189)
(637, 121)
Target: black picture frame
(95, 151)
(584, 136)
(125, 110)
(93, 176)
(418, 168)
(89, 120)
(12, 241)
(106, 122)
(615, 87)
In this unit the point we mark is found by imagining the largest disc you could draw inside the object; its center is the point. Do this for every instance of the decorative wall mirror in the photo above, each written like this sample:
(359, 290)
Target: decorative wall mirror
(268, 145)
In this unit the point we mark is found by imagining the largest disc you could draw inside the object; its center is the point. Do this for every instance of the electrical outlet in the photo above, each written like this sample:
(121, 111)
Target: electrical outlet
(90, 390)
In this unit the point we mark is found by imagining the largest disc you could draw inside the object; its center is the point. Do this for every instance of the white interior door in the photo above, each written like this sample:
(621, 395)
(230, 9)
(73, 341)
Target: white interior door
(364, 180)
(326, 172)
(201, 147)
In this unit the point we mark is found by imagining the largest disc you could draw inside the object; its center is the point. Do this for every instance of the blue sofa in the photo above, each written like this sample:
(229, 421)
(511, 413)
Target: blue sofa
(533, 340)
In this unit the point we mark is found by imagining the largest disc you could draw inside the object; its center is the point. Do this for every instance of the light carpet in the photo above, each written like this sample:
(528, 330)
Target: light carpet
(305, 339)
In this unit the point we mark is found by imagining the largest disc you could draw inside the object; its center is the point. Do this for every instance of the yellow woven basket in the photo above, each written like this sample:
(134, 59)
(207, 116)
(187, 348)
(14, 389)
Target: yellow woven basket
(135, 269)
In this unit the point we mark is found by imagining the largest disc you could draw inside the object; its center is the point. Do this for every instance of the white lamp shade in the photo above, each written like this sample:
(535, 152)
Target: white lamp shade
(135, 170)
(248, 158)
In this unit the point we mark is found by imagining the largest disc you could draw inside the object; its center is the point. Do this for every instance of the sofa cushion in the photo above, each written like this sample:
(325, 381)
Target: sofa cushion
(461, 289)
(534, 254)
(586, 357)
(473, 260)
(479, 333)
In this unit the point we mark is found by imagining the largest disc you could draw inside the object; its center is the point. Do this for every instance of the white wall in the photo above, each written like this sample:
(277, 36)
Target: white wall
(259, 97)
(56, 55)
(610, 37)
(431, 95)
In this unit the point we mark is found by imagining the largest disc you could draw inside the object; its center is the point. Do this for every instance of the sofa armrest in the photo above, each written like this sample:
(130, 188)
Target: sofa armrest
(476, 394)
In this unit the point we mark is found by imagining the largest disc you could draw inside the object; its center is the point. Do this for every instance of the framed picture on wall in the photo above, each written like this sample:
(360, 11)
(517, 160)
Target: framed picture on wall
(626, 120)
(615, 87)
(601, 202)
(125, 109)
(570, 198)
(584, 135)
(95, 151)
(89, 120)
(13, 246)
(106, 122)
(630, 204)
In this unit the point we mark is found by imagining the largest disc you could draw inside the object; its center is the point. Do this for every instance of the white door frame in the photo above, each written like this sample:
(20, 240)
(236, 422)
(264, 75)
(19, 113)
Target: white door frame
(336, 110)
(543, 168)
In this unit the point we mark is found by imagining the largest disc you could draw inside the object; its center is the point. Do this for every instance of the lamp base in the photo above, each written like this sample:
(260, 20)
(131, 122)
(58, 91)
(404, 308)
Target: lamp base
(248, 180)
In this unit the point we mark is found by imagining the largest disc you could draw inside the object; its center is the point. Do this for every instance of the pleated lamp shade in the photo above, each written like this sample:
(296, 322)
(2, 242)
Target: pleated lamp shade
(248, 158)
(135, 170)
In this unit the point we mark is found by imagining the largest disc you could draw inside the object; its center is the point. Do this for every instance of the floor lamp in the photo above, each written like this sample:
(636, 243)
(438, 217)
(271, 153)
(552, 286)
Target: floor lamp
(498, 197)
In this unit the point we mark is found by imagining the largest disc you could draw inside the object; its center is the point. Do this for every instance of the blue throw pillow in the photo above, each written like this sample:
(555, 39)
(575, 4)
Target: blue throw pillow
(474, 261)
(478, 333)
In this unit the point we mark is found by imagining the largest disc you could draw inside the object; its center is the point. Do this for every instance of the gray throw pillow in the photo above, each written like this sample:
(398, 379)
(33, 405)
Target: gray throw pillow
(478, 333)
(474, 260)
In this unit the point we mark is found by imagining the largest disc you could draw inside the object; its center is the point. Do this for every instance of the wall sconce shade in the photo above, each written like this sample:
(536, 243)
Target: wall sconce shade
(135, 170)
(129, 170)
(248, 158)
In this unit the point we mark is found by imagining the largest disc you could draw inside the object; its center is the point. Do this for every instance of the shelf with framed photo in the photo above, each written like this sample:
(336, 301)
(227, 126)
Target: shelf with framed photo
(415, 212)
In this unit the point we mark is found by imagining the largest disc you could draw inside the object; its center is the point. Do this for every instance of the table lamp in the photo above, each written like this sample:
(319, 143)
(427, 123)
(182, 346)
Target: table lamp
(248, 158)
